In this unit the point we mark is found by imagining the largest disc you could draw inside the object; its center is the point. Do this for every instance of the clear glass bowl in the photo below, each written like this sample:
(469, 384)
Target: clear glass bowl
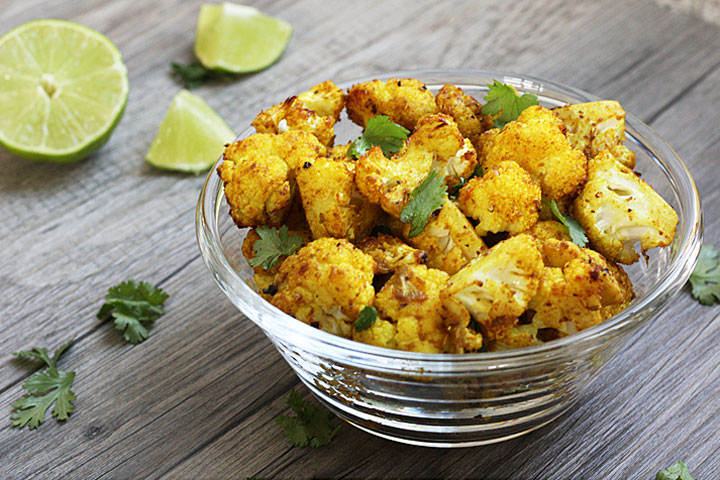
(451, 400)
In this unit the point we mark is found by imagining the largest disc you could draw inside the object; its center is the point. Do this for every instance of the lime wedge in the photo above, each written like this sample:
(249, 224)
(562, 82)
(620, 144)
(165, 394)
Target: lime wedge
(63, 88)
(191, 137)
(239, 39)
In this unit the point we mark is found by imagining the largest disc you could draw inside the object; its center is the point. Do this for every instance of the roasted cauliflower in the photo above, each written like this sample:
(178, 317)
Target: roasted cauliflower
(325, 284)
(465, 110)
(404, 100)
(536, 141)
(390, 253)
(504, 199)
(597, 126)
(618, 210)
(259, 178)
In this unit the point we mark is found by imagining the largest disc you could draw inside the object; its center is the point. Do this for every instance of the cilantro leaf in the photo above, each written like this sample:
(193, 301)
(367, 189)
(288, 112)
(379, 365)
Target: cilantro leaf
(455, 189)
(310, 426)
(503, 101)
(705, 279)
(577, 233)
(379, 131)
(273, 244)
(134, 307)
(676, 471)
(424, 200)
(195, 74)
(365, 320)
(44, 387)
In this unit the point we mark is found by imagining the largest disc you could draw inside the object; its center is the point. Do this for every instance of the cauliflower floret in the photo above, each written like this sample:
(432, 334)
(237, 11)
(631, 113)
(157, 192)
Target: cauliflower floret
(405, 101)
(617, 210)
(333, 204)
(536, 141)
(390, 253)
(436, 145)
(340, 152)
(597, 126)
(382, 333)
(264, 278)
(448, 239)
(504, 199)
(411, 299)
(496, 288)
(259, 178)
(547, 229)
(465, 110)
(326, 284)
(314, 111)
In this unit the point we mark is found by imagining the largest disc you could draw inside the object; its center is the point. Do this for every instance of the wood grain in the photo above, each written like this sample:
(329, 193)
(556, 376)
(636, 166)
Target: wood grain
(198, 398)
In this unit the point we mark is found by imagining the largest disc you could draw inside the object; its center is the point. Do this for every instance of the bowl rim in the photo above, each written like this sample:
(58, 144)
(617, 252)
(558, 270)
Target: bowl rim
(286, 328)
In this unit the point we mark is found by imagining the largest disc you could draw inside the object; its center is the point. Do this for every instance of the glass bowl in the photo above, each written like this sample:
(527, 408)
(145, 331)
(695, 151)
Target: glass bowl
(453, 400)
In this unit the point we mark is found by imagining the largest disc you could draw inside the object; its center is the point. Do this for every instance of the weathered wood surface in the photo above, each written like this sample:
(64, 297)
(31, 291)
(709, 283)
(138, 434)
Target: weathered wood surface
(198, 398)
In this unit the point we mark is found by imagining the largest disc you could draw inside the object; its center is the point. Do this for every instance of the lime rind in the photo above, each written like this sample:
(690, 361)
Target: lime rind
(54, 55)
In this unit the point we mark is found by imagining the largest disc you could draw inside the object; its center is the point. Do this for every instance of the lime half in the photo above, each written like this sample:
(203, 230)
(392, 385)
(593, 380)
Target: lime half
(63, 88)
(191, 137)
(239, 39)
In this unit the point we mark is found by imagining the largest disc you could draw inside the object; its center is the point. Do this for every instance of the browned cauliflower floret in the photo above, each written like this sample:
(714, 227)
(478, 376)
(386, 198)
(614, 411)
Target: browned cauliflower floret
(496, 288)
(382, 333)
(504, 199)
(333, 204)
(259, 178)
(436, 145)
(617, 210)
(547, 229)
(405, 101)
(448, 239)
(390, 253)
(411, 299)
(339, 152)
(314, 111)
(465, 110)
(597, 126)
(326, 284)
(536, 141)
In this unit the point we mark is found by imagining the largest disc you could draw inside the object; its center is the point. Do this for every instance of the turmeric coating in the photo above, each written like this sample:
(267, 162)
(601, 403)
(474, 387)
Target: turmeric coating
(493, 268)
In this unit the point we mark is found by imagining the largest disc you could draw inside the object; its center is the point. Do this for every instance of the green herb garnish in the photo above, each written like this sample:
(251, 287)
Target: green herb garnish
(424, 200)
(705, 279)
(273, 244)
(381, 132)
(134, 308)
(310, 426)
(676, 471)
(366, 319)
(577, 233)
(503, 101)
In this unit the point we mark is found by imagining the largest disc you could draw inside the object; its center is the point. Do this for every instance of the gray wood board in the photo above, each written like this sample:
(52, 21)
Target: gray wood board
(198, 398)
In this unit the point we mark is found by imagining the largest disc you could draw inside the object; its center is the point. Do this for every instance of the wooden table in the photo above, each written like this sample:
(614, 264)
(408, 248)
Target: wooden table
(198, 398)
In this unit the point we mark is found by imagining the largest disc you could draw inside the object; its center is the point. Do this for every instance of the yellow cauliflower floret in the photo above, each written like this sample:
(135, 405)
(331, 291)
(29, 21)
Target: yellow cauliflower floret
(518, 336)
(339, 152)
(536, 141)
(326, 284)
(617, 210)
(411, 299)
(597, 126)
(326, 99)
(405, 101)
(465, 110)
(504, 199)
(333, 204)
(548, 229)
(448, 239)
(496, 288)
(436, 145)
(382, 333)
(390, 253)
(628, 295)
(314, 111)
(258, 172)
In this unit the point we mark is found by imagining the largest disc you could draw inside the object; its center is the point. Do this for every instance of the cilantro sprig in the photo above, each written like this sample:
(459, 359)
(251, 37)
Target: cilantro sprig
(379, 131)
(676, 471)
(310, 426)
(705, 279)
(366, 319)
(273, 244)
(44, 388)
(134, 307)
(424, 200)
(577, 233)
(195, 74)
(504, 103)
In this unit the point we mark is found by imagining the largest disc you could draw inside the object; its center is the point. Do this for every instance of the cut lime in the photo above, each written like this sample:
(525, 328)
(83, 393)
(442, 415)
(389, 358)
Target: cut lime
(63, 88)
(239, 39)
(191, 137)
